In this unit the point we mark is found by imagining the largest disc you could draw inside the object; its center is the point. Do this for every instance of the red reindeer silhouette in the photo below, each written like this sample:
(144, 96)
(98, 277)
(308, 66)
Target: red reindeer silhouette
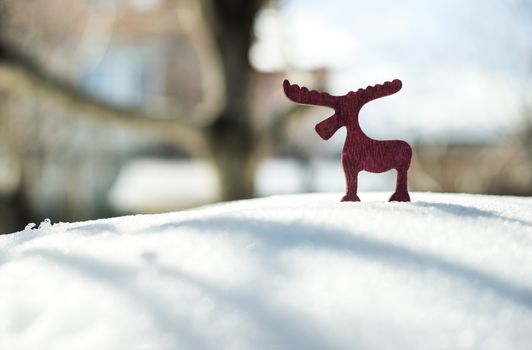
(360, 151)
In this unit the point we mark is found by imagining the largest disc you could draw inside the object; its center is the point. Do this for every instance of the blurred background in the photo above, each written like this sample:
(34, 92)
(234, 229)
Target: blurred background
(111, 107)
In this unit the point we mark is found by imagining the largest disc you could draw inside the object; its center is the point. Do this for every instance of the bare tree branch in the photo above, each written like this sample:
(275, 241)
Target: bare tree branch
(19, 71)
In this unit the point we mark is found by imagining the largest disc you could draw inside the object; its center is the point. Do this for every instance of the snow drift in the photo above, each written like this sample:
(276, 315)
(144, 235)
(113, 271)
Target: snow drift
(287, 272)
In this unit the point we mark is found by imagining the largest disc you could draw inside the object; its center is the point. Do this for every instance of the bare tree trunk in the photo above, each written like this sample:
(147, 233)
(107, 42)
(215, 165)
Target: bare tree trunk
(232, 136)
(233, 152)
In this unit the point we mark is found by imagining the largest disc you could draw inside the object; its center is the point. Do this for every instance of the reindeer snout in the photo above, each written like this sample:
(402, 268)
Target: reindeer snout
(327, 127)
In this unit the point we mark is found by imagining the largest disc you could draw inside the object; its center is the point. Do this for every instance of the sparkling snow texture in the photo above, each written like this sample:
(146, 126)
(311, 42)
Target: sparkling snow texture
(287, 272)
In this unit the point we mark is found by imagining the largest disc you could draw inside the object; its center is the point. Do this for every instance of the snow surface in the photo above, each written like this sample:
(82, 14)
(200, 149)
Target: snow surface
(288, 272)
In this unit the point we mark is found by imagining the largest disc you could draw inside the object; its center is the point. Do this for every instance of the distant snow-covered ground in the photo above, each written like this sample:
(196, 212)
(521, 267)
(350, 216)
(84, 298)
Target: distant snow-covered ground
(155, 185)
(287, 272)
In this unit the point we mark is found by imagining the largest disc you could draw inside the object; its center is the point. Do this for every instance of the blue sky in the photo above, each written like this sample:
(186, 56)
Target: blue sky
(466, 65)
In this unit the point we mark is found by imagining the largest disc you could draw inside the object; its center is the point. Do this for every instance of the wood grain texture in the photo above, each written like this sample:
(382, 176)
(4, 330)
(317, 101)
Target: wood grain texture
(360, 152)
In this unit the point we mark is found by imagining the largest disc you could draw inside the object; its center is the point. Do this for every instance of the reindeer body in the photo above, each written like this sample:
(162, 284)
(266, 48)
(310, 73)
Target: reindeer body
(360, 152)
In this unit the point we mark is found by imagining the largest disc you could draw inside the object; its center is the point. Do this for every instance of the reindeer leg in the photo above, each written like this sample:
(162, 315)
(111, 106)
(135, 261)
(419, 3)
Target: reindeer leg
(351, 178)
(401, 188)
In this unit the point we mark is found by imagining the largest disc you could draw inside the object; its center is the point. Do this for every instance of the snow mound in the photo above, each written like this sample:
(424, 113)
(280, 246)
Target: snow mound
(288, 272)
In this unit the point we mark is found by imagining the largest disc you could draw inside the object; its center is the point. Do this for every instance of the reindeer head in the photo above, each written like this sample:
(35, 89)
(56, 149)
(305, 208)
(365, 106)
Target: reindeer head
(345, 106)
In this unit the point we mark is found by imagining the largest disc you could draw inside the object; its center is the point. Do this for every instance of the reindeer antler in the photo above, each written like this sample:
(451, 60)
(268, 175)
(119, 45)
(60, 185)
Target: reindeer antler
(381, 90)
(304, 96)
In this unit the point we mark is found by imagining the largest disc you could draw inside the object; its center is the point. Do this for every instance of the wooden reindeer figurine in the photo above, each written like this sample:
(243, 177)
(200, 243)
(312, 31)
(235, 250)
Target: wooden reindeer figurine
(360, 152)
